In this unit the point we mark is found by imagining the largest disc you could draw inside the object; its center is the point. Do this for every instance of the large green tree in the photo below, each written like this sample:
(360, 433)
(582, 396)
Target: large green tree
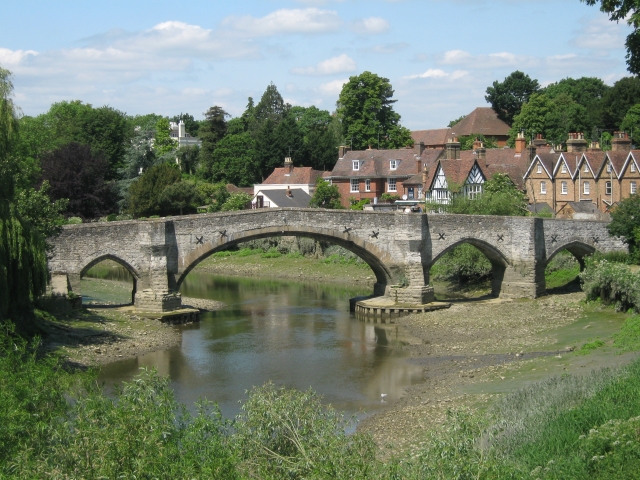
(627, 10)
(23, 262)
(212, 130)
(365, 109)
(144, 196)
(625, 223)
(631, 122)
(325, 196)
(236, 161)
(270, 107)
(617, 100)
(508, 97)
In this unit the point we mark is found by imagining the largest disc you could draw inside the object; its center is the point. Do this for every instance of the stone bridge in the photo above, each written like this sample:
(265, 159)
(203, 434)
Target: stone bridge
(400, 248)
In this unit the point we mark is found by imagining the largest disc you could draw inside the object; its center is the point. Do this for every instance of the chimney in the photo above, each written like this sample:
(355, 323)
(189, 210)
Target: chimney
(576, 143)
(539, 141)
(181, 130)
(425, 175)
(289, 192)
(342, 150)
(418, 148)
(288, 166)
(594, 147)
(520, 143)
(452, 149)
(620, 142)
(481, 152)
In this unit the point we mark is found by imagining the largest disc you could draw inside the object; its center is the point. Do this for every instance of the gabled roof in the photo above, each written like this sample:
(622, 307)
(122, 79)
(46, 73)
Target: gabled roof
(633, 157)
(483, 120)
(299, 198)
(597, 158)
(376, 163)
(547, 160)
(436, 136)
(231, 188)
(299, 176)
(617, 159)
(456, 171)
(565, 159)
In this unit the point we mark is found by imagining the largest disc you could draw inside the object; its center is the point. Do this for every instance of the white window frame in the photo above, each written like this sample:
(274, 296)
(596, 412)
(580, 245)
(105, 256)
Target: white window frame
(563, 168)
(356, 182)
(633, 167)
(586, 168)
(539, 169)
(608, 188)
(356, 164)
(473, 190)
(392, 185)
(633, 188)
(367, 185)
(564, 188)
(393, 164)
(330, 181)
(543, 188)
(586, 188)
(608, 167)
(419, 192)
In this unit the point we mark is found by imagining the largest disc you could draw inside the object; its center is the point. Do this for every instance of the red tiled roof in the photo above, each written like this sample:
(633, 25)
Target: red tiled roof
(231, 188)
(483, 120)
(376, 163)
(299, 176)
(431, 137)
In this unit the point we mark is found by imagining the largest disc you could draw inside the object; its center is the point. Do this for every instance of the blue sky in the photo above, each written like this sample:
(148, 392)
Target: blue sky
(170, 57)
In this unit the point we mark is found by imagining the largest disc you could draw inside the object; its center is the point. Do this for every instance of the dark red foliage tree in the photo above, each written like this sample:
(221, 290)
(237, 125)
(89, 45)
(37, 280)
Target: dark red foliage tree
(75, 173)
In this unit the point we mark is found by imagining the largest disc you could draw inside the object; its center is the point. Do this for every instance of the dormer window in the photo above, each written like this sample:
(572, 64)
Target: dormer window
(539, 169)
(563, 168)
(356, 164)
(633, 167)
(608, 168)
(586, 168)
(393, 164)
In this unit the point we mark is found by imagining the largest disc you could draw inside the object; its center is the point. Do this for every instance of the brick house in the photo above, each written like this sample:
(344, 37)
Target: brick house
(284, 181)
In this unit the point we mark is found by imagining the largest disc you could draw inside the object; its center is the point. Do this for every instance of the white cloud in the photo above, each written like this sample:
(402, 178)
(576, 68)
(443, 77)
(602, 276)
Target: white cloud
(339, 64)
(438, 73)
(308, 20)
(487, 61)
(388, 48)
(370, 26)
(332, 88)
(14, 57)
(601, 34)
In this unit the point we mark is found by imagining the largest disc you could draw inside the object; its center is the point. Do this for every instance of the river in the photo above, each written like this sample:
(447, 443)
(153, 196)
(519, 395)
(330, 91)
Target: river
(294, 334)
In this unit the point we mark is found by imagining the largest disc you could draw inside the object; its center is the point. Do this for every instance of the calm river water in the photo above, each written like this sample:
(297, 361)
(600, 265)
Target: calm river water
(292, 333)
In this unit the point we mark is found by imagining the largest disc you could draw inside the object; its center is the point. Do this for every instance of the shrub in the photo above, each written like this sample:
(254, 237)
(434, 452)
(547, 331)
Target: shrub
(112, 217)
(462, 264)
(271, 253)
(74, 220)
(612, 283)
(389, 197)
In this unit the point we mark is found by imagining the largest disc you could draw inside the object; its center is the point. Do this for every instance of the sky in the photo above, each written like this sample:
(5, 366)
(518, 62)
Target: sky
(167, 58)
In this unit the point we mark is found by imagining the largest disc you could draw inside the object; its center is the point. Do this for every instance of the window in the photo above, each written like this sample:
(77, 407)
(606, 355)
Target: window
(564, 188)
(473, 190)
(586, 168)
(543, 188)
(633, 167)
(633, 188)
(410, 193)
(356, 164)
(563, 168)
(608, 168)
(391, 185)
(367, 185)
(393, 164)
(607, 188)
(330, 181)
(355, 185)
(539, 170)
(419, 192)
(585, 188)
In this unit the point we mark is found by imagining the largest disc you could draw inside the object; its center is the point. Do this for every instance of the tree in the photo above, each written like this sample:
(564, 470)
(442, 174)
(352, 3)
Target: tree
(188, 157)
(36, 207)
(467, 141)
(23, 261)
(310, 118)
(508, 97)
(213, 194)
(499, 197)
(365, 108)
(144, 194)
(456, 121)
(235, 161)
(532, 118)
(625, 223)
(325, 196)
(321, 145)
(617, 100)
(270, 107)
(74, 172)
(624, 10)
(212, 130)
(631, 122)
(163, 142)
(177, 197)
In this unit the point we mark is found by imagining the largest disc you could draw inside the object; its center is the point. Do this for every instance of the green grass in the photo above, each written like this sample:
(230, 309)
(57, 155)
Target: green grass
(590, 347)
(628, 339)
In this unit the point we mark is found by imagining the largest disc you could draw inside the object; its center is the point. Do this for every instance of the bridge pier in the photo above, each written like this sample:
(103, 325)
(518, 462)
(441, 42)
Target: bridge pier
(522, 280)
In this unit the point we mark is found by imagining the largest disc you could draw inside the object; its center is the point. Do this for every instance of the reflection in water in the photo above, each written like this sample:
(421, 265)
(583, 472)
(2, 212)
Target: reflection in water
(294, 334)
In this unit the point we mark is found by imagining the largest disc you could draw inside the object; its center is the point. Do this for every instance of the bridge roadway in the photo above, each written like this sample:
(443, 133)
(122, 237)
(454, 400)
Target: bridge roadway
(400, 248)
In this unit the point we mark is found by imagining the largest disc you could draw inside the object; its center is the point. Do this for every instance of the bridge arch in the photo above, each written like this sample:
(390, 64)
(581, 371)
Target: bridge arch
(96, 258)
(497, 258)
(383, 266)
(577, 247)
